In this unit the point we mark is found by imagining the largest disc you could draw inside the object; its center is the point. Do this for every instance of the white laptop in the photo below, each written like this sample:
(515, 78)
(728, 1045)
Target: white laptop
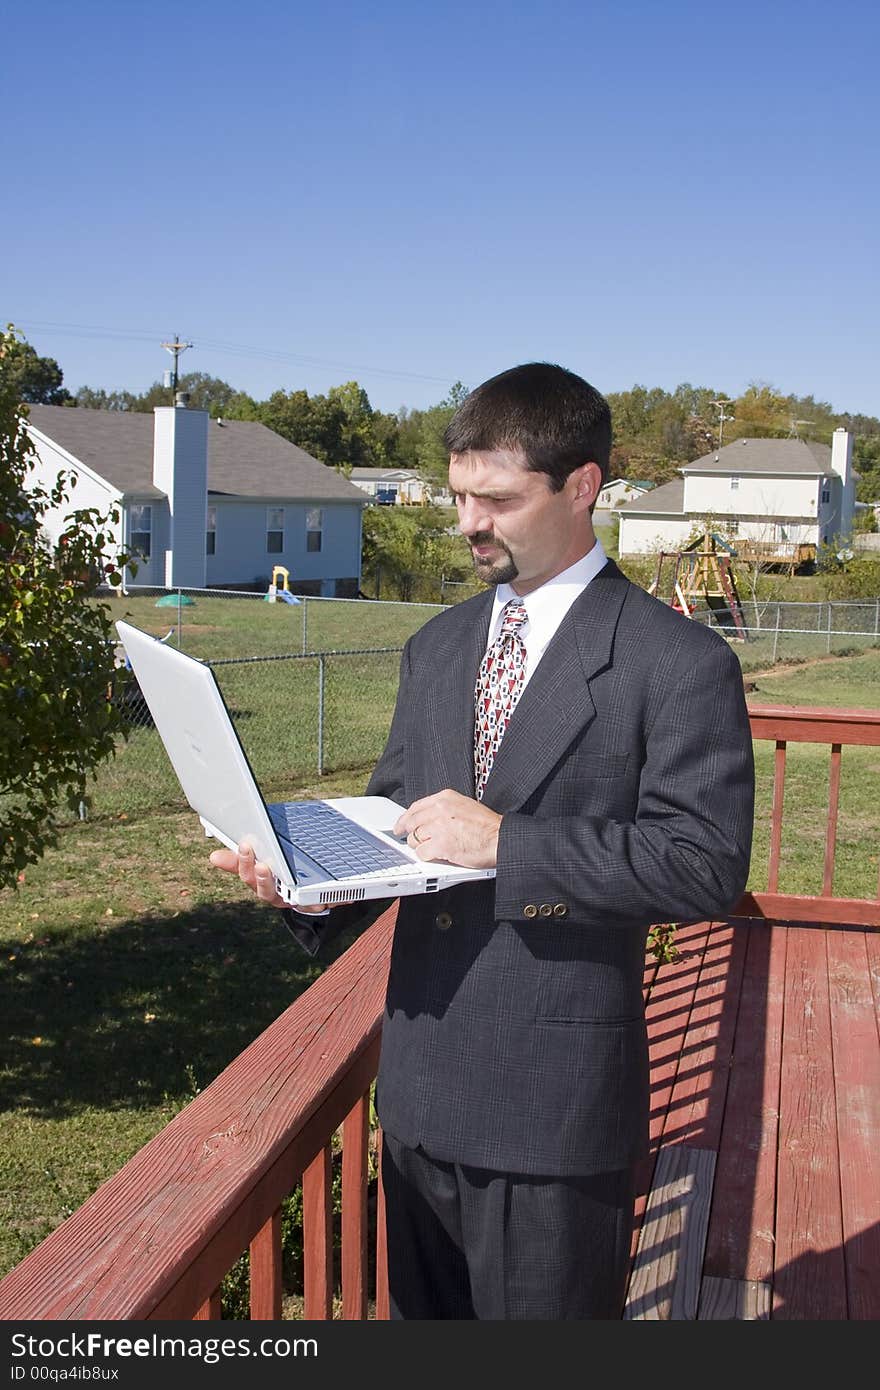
(321, 852)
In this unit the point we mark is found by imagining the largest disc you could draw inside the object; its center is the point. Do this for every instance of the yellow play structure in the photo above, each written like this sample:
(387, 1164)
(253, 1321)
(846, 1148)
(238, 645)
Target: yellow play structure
(279, 589)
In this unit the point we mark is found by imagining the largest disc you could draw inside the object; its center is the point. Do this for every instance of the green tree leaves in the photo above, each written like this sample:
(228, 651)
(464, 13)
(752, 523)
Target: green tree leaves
(30, 378)
(57, 721)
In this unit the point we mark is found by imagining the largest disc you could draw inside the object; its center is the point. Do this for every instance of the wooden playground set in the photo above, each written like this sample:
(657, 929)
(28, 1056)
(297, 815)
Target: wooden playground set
(702, 572)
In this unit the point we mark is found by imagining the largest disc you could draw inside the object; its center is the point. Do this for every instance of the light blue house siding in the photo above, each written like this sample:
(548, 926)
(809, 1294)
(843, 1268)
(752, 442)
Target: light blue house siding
(150, 569)
(241, 543)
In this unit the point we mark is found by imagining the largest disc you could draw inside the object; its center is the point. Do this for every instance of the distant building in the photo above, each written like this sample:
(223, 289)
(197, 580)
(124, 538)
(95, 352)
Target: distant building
(205, 503)
(391, 486)
(783, 496)
(621, 490)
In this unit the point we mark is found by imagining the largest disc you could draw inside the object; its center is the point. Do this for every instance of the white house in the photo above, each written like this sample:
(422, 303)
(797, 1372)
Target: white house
(391, 486)
(205, 503)
(620, 490)
(784, 493)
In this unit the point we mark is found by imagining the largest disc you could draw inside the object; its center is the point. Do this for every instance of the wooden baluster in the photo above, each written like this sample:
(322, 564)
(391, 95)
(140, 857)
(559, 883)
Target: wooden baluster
(318, 1237)
(776, 823)
(211, 1310)
(355, 1133)
(383, 1307)
(266, 1271)
(831, 830)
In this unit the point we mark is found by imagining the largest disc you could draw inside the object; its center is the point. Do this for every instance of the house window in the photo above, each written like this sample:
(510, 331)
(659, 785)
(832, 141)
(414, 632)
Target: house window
(140, 521)
(734, 484)
(275, 531)
(314, 525)
(211, 532)
(826, 494)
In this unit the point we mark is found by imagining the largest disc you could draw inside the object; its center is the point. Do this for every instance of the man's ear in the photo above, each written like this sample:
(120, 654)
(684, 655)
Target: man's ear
(588, 481)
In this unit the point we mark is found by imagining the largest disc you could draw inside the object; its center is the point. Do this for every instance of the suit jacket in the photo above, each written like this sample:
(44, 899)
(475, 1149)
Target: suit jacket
(514, 1035)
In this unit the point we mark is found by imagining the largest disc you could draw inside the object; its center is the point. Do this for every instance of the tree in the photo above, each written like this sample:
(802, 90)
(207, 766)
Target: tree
(407, 546)
(56, 649)
(88, 398)
(432, 456)
(30, 378)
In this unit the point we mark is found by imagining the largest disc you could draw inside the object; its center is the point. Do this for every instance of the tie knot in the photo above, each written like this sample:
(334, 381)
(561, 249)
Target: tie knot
(513, 617)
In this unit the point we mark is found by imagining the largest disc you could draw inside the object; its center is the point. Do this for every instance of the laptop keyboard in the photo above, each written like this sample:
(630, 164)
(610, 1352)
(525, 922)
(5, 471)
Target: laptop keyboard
(334, 842)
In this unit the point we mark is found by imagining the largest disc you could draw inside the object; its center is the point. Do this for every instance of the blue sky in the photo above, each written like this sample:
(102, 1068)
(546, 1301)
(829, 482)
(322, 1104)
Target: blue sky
(410, 196)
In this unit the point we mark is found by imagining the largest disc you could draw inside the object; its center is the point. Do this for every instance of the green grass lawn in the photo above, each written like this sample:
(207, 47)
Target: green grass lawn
(246, 625)
(131, 972)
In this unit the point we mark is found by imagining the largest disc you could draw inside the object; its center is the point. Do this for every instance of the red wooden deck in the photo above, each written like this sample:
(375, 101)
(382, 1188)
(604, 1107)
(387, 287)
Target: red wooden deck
(762, 1195)
(761, 1198)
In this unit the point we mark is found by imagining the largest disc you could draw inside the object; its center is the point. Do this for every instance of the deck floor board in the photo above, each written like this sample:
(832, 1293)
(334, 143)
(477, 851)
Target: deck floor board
(761, 1197)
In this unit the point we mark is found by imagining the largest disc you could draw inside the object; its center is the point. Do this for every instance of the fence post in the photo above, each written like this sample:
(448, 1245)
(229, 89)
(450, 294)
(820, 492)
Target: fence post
(776, 633)
(305, 625)
(877, 617)
(179, 605)
(321, 715)
(828, 642)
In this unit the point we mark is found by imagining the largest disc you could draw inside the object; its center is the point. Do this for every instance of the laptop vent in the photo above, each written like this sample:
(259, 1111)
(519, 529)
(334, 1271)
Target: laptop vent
(342, 895)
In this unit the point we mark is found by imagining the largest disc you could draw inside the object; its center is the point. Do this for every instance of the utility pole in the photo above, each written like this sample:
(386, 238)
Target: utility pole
(175, 348)
(720, 404)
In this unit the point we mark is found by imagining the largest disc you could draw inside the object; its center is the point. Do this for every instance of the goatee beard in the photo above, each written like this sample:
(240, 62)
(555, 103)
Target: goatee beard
(497, 571)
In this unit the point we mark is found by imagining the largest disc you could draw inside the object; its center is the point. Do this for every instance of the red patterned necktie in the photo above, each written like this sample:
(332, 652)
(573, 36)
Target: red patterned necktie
(499, 686)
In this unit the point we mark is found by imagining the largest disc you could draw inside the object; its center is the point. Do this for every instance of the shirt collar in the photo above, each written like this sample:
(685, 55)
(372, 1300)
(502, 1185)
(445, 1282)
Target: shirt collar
(558, 594)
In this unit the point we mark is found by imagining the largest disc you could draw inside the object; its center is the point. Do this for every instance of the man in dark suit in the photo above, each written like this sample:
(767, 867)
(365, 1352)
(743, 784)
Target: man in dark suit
(593, 746)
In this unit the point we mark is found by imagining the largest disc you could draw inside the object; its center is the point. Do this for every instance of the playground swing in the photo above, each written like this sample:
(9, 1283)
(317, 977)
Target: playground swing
(703, 570)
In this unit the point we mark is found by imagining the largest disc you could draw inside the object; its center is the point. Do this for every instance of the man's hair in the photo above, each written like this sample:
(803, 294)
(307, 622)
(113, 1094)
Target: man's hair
(555, 418)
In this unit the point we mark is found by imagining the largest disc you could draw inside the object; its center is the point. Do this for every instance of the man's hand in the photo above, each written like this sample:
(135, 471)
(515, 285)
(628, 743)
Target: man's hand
(258, 877)
(452, 827)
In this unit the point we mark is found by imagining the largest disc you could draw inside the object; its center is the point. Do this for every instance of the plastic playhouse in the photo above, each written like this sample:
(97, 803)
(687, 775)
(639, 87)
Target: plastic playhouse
(279, 592)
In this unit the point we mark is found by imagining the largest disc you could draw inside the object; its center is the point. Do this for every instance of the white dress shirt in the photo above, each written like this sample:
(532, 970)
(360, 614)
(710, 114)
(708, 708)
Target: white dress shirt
(547, 606)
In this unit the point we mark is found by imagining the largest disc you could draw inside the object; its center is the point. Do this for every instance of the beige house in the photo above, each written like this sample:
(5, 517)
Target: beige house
(790, 494)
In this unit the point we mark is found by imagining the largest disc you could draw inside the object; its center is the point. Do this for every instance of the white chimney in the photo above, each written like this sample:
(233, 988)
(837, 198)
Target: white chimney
(841, 464)
(180, 470)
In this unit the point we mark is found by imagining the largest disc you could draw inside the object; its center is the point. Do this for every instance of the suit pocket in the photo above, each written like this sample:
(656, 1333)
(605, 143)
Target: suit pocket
(605, 764)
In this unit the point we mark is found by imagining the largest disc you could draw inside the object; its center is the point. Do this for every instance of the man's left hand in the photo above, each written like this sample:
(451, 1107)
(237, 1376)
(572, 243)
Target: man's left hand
(453, 828)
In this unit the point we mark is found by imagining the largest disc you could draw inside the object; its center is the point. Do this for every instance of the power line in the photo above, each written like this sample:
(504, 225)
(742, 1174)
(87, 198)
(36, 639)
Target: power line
(233, 349)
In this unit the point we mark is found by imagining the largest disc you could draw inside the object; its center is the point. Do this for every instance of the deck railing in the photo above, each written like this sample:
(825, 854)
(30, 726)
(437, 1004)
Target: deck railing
(156, 1240)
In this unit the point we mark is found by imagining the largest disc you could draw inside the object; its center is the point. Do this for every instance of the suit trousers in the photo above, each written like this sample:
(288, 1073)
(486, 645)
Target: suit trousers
(467, 1243)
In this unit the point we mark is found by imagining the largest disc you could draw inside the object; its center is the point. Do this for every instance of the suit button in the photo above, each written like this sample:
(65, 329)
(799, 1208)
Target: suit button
(530, 910)
(560, 910)
(443, 921)
(545, 910)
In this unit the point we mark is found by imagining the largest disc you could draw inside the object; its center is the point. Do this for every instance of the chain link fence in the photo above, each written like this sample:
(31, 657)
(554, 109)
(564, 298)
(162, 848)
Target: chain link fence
(311, 686)
(783, 632)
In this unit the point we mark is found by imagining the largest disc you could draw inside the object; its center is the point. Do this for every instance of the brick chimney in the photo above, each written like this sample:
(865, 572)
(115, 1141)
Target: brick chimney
(180, 470)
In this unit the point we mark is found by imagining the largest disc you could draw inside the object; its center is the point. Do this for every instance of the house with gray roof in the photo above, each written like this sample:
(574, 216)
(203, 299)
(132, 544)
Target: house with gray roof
(786, 497)
(205, 503)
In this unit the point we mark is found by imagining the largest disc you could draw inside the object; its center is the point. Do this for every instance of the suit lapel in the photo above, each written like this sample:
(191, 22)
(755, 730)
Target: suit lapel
(556, 704)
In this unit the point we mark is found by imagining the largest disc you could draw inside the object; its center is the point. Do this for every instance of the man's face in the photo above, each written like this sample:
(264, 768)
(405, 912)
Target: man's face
(519, 531)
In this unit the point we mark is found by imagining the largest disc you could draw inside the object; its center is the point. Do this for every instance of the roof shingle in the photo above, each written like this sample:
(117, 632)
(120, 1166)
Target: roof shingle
(245, 459)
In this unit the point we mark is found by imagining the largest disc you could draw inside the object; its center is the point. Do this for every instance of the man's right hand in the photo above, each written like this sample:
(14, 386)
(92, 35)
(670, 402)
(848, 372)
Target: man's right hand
(257, 876)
